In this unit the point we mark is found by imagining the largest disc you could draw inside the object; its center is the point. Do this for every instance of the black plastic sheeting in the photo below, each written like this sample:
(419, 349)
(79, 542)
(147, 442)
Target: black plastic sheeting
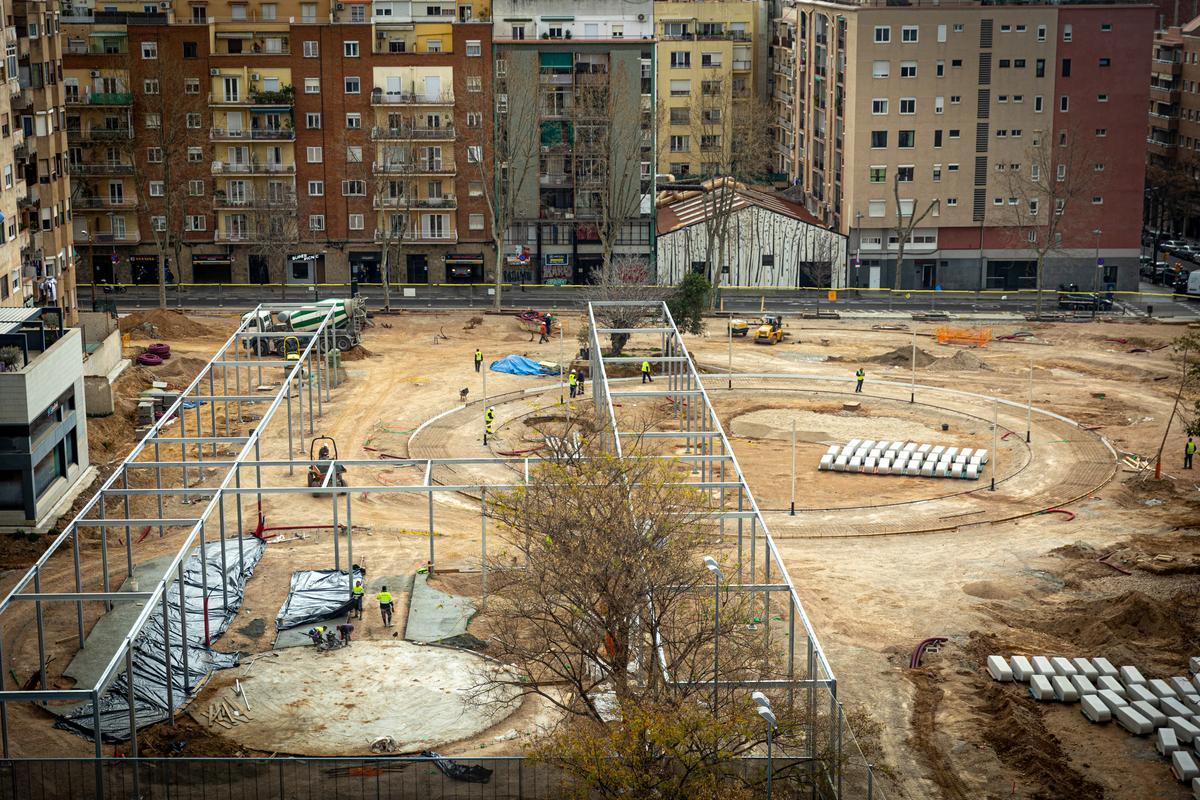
(315, 595)
(468, 773)
(149, 666)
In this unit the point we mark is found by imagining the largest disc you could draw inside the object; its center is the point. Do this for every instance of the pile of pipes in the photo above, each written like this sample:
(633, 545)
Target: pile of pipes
(904, 458)
(1168, 709)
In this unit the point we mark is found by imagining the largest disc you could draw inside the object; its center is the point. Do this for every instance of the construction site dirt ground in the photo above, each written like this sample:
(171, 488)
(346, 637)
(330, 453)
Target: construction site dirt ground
(1029, 584)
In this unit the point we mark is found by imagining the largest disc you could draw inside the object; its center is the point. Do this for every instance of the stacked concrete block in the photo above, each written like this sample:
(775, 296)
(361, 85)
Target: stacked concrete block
(1112, 699)
(1166, 742)
(999, 669)
(1161, 687)
(1021, 668)
(1040, 688)
(1083, 685)
(1184, 728)
(1174, 708)
(1086, 668)
(1063, 666)
(903, 458)
(1105, 667)
(1129, 719)
(1042, 666)
(1157, 718)
(1064, 691)
(1130, 676)
(1183, 764)
(1181, 686)
(1109, 683)
(1138, 692)
(1094, 708)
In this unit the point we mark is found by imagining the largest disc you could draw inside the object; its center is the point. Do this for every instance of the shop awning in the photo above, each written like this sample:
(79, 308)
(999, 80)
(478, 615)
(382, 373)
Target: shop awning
(564, 60)
(464, 259)
(217, 260)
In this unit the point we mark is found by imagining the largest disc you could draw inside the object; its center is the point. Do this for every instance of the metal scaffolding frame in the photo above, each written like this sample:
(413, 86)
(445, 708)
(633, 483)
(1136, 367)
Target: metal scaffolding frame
(205, 452)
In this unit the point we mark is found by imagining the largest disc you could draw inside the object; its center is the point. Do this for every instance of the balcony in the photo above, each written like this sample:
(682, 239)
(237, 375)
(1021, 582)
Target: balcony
(253, 168)
(741, 65)
(284, 97)
(90, 203)
(101, 99)
(1164, 94)
(379, 97)
(423, 166)
(556, 78)
(425, 203)
(412, 132)
(102, 135)
(98, 48)
(248, 200)
(256, 134)
(1161, 148)
(1165, 66)
(127, 237)
(101, 168)
(557, 179)
(232, 236)
(431, 237)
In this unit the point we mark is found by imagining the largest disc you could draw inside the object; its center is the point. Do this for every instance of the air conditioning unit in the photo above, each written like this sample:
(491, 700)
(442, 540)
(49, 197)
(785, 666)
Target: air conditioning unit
(165, 5)
(340, 7)
(95, 73)
(215, 72)
(380, 34)
(641, 17)
(253, 76)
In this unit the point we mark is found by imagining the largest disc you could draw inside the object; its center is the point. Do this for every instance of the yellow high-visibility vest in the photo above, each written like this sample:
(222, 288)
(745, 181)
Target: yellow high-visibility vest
(645, 366)
(384, 597)
(357, 589)
(571, 379)
(1191, 448)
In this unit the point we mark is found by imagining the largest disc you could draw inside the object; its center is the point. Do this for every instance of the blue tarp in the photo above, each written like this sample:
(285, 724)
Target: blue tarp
(519, 365)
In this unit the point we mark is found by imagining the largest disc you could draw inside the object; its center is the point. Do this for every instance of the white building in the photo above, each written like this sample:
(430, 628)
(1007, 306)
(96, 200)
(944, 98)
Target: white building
(758, 239)
(584, 20)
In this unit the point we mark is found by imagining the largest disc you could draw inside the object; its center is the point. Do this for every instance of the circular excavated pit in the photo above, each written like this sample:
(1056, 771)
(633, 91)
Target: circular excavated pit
(337, 703)
(811, 426)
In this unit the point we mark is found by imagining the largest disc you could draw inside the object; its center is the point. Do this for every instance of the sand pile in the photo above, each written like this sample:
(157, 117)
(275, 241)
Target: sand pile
(161, 324)
(356, 353)
(963, 360)
(902, 357)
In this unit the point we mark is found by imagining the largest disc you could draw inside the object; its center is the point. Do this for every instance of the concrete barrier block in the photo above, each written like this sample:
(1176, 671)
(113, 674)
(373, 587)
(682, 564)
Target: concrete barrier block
(840, 463)
(1192, 701)
(833, 450)
(1196, 682)
(927, 470)
(1184, 767)
(1194, 665)
(1083, 685)
(981, 456)
(937, 451)
(1173, 708)
(853, 444)
(1086, 668)
(950, 453)
(869, 463)
(884, 445)
(1042, 665)
(1111, 699)
(925, 448)
(1161, 687)
(1132, 721)
(1184, 728)
(1040, 688)
(1064, 691)
(1094, 708)
(1181, 686)
(1137, 692)
(1196, 788)
(966, 453)
(1130, 676)
(868, 445)
(971, 472)
(1109, 683)
(999, 669)
(1165, 741)
(1021, 668)
(1156, 717)
(956, 470)
(913, 468)
(1062, 666)
(855, 465)
(1105, 667)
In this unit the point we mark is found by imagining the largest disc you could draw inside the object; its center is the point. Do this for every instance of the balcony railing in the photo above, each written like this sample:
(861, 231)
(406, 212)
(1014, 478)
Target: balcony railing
(223, 200)
(412, 132)
(379, 97)
(262, 134)
(284, 97)
(446, 202)
(443, 236)
(231, 236)
(103, 202)
(97, 48)
(99, 135)
(418, 167)
(740, 65)
(556, 179)
(226, 168)
(101, 99)
(128, 237)
(104, 168)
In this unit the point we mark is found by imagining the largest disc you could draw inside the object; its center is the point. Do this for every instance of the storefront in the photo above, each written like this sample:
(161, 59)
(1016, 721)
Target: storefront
(464, 267)
(212, 268)
(306, 268)
(556, 269)
(143, 269)
(367, 267)
(519, 268)
(104, 267)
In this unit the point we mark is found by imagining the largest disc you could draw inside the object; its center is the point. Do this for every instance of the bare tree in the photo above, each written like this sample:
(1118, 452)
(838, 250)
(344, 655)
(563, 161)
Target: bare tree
(274, 229)
(623, 278)
(172, 130)
(390, 179)
(906, 223)
(1048, 194)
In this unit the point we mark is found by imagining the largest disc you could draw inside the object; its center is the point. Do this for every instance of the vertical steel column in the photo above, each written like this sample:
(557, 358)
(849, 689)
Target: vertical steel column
(128, 527)
(319, 376)
(78, 583)
(158, 485)
(349, 541)
(212, 408)
(430, 492)
(203, 581)
(258, 469)
(741, 507)
(811, 675)
(791, 659)
(41, 628)
(225, 391)
(753, 547)
(291, 430)
(337, 544)
(182, 446)
(241, 528)
(166, 624)
(299, 384)
(237, 383)
(224, 563)
(308, 381)
(4, 749)
(183, 638)
(131, 699)
(766, 592)
(199, 433)
(99, 743)
(483, 541)
(104, 548)
(835, 735)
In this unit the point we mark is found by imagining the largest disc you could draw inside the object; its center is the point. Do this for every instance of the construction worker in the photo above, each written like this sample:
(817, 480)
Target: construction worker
(344, 630)
(545, 333)
(356, 595)
(573, 383)
(385, 606)
(489, 417)
(579, 388)
(1189, 450)
(859, 376)
(478, 359)
(646, 376)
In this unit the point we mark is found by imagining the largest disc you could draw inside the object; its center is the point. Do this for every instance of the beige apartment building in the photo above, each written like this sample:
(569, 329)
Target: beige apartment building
(951, 107)
(712, 62)
(15, 288)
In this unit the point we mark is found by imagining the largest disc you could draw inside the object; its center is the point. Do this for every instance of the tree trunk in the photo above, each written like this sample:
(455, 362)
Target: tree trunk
(500, 256)
(283, 278)
(900, 262)
(387, 289)
(162, 279)
(1037, 286)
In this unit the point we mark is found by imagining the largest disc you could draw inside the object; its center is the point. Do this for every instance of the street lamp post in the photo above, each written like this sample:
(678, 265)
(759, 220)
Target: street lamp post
(718, 577)
(857, 249)
(763, 707)
(1096, 275)
(87, 235)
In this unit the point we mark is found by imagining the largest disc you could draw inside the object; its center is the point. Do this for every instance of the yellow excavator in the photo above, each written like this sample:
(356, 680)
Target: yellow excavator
(771, 330)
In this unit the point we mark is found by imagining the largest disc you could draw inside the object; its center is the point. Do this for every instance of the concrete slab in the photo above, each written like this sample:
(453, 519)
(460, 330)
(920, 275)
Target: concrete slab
(298, 637)
(1173, 708)
(999, 669)
(1094, 708)
(1165, 741)
(1184, 766)
(1042, 666)
(106, 636)
(1181, 686)
(434, 615)
(1130, 676)
(336, 703)
(1157, 718)
(1021, 668)
(1161, 688)
(1132, 721)
(1192, 701)
(1082, 685)
(1184, 729)
(1109, 683)
(1137, 691)
(1062, 666)
(1086, 668)
(1112, 699)
(1064, 691)
(1105, 667)
(1040, 688)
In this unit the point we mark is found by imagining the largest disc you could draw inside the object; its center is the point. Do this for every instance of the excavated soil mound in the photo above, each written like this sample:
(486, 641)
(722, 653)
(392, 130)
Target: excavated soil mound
(356, 353)
(902, 357)
(161, 324)
(963, 360)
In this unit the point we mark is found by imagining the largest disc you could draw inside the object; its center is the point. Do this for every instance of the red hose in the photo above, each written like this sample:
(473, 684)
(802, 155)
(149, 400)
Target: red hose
(915, 661)
(145, 533)
(1070, 514)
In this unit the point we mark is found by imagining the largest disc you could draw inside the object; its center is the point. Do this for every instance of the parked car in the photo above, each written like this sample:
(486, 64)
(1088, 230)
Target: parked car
(1084, 301)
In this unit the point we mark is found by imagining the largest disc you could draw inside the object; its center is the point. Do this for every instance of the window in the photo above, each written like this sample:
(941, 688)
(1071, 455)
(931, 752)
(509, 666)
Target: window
(354, 154)
(939, 69)
(314, 155)
(881, 69)
(355, 222)
(1018, 98)
(879, 106)
(1018, 63)
(196, 188)
(474, 119)
(354, 188)
(906, 139)
(680, 144)
(312, 85)
(876, 208)
(358, 12)
(1015, 133)
(195, 222)
(939, 105)
(710, 88)
(474, 48)
(997, 201)
(906, 207)
(1037, 103)
(1101, 98)
(937, 138)
(353, 121)
(433, 46)
(316, 188)
(353, 85)
(312, 49)
(908, 33)
(153, 121)
(195, 155)
(1005, 28)
(908, 69)
(1098, 167)
(1102, 132)
(268, 11)
(193, 120)
(1066, 33)
(1039, 68)
(958, 27)
(879, 139)
(1033, 207)
(474, 83)
(475, 189)
(191, 50)
(316, 222)
(191, 86)
(1020, 29)
(1107, 62)
(904, 174)
(952, 201)
(475, 222)
(1097, 200)
(953, 133)
(681, 59)
(941, 33)
(681, 88)
(956, 62)
(1064, 103)
(955, 99)
(883, 34)
(878, 174)
(908, 105)
(158, 223)
(1066, 67)
(1060, 205)
(350, 49)
(1005, 63)
(937, 173)
(1105, 27)
(1001, 133)
(474, 153)
(1041, 33)
(713, 60)
(1002, 98)
(312, 121)
(157, 188)
(154, 155)
(149, 51)
(150, 86)
(1061, 172)
(952, 167)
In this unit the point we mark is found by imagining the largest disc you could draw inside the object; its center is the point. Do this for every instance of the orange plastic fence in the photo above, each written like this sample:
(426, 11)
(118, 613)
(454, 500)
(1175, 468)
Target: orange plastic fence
(978, 337)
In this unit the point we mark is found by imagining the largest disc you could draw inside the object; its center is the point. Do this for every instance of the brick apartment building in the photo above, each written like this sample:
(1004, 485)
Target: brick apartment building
(302, 142)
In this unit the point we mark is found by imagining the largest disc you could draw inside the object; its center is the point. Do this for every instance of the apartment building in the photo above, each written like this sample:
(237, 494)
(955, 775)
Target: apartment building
(298, 142)
(712, 69)
(49, 274)
(953, 105)
(1174, 126)
(15, 288)
(575, 96)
